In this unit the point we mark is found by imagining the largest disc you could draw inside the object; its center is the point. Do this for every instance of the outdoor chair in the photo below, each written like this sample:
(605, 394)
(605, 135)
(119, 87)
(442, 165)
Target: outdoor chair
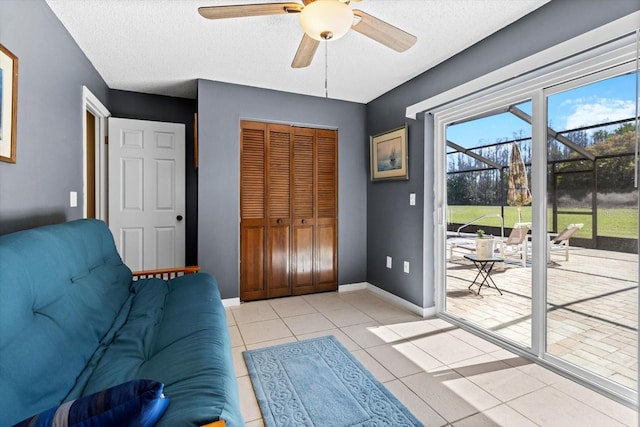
(560, 241)
(466, 244)
(517, 244)
(454, 243)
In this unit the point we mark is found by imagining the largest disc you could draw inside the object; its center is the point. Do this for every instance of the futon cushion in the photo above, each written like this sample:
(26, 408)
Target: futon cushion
(73, 323)
(178, 320)
(138, 403)
(64, 286)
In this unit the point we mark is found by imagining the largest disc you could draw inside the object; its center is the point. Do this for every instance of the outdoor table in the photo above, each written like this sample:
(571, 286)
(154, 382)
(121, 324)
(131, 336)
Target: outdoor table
(484, 266)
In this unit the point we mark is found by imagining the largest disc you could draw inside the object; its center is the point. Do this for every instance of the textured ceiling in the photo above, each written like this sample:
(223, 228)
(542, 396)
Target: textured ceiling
(163, 46)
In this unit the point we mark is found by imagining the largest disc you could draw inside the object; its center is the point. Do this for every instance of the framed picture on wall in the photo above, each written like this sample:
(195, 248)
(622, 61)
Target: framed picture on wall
(389, 157)
(8, 104)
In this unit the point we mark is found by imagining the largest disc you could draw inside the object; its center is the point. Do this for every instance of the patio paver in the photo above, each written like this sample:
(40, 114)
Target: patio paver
(592, 308)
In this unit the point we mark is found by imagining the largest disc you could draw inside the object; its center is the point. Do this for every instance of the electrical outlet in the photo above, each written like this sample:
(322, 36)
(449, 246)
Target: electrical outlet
(412, 199)
(388, 262)
(406, 267)
(73, 199)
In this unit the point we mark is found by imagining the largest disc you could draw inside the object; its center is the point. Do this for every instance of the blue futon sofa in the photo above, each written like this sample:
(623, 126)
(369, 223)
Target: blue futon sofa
(73, 322)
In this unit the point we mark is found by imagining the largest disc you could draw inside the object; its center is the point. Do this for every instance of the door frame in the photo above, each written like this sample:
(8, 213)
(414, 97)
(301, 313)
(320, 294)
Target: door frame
(92, 104)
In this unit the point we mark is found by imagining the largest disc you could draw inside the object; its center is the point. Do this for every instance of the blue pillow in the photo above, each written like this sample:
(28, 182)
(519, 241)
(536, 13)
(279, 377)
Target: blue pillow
(134, 403)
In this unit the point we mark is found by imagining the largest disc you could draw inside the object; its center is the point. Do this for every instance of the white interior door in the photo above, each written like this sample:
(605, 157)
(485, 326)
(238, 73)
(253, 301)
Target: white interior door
(147, 192)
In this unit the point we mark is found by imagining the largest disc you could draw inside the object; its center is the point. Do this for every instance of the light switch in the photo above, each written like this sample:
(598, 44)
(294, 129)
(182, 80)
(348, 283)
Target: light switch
(412, 199)
(388, 262)
(73, 199)
(406, 267)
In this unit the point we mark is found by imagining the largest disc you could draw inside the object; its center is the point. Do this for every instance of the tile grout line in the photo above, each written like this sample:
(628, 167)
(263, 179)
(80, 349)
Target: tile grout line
(404, 339)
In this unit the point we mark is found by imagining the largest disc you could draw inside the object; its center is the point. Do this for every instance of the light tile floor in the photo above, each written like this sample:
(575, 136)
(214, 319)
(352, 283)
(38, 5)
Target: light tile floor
(444, 375)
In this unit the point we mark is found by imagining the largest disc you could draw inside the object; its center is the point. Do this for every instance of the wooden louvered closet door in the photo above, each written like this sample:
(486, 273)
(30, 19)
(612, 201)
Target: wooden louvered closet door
(303, 206)
(326, 268)
(288, 210)
(253, 215)
(278, 210)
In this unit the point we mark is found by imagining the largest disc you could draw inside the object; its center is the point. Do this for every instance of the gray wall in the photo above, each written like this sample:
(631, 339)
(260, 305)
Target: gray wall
(555, 22)
(394, 228)
(52, 70)
(221, 106)
(141, 106)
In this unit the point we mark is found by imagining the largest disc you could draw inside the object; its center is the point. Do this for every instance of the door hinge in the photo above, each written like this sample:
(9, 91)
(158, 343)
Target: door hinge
(106, 140)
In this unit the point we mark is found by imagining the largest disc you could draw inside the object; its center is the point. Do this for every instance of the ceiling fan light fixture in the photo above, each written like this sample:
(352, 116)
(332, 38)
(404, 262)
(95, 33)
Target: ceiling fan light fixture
(326, 19)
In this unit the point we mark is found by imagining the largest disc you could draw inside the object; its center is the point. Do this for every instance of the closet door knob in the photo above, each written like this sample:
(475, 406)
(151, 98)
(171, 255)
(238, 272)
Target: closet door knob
(179, 217)
(279, 221)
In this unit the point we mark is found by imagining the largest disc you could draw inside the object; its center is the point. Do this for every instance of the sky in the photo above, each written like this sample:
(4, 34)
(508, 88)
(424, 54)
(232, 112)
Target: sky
(599, 102)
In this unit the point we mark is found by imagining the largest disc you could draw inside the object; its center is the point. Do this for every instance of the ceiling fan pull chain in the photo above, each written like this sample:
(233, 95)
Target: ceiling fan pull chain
(326, 66)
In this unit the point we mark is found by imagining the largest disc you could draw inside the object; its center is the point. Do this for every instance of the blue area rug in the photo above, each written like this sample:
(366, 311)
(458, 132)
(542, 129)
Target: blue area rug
(317, 382)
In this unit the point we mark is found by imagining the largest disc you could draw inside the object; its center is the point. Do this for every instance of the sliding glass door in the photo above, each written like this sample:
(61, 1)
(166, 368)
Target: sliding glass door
(479, 172)
(592, 266)
(547, 170)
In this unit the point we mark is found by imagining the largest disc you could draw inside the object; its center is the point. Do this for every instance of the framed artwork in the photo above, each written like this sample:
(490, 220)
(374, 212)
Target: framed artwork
(8, 104)
(389, 157)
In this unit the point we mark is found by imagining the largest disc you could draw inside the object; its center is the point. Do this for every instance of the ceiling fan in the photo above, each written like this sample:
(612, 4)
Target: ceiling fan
(320, 20)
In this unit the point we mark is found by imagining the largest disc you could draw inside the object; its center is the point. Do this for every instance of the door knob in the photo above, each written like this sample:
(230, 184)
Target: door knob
(179, 217)
(303, 221)
(279, 221)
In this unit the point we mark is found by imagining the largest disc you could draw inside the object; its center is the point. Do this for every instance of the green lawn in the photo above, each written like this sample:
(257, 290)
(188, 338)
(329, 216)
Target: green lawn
(611, 222)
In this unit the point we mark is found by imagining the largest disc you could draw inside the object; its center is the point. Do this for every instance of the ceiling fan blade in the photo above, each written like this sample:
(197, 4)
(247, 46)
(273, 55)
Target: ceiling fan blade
(305, 53)
(239, 11)
(383, 32)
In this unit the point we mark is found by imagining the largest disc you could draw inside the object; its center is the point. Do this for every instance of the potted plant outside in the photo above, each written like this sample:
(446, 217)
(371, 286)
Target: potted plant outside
(484, 245)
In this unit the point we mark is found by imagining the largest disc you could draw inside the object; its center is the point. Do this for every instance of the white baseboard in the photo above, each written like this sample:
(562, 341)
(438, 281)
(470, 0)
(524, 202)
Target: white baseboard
(429, 312)
(394, 299)
(230, 302)
(353, 287)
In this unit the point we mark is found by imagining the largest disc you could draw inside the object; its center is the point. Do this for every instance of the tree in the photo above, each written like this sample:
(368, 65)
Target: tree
(614, 174)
